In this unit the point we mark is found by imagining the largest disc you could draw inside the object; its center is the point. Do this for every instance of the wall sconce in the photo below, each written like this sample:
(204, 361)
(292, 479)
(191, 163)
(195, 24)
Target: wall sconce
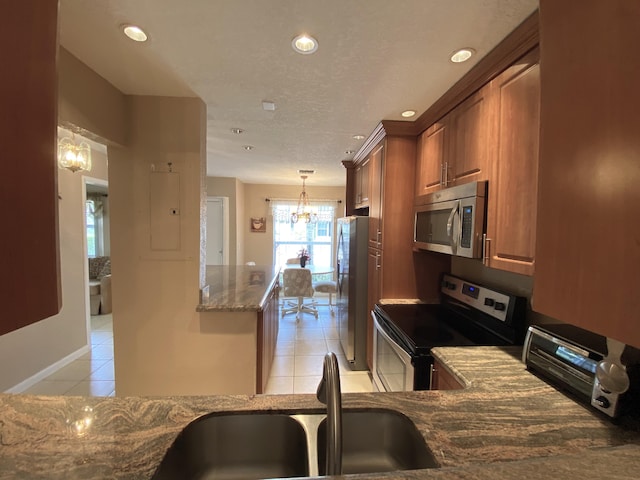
(74, 156)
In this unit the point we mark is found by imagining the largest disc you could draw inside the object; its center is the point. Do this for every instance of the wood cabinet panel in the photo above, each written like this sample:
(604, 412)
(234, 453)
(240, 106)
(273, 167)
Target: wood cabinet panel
(268, 324)
(466, 159)
(588, 233)
(362, 184)
(376, 195)
(431, 157)
(30, 288)
(511, 212)
(374, 261)
(441, 379)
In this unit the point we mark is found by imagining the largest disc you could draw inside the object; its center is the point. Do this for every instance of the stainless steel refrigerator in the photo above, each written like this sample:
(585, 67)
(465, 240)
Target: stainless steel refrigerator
(351, 301)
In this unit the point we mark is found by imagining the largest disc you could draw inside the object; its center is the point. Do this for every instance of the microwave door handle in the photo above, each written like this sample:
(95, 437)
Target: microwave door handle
(451, 227)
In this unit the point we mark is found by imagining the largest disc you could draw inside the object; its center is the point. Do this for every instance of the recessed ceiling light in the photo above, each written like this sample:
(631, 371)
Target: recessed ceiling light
(268, 106)
(358, 137)
(349, 152)
(304, 44)
(248, 148)
(408, 113)
(237, 131)
(135, 33)
(462, 55)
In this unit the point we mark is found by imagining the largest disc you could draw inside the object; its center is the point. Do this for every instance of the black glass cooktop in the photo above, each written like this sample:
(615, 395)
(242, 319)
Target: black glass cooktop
(420, 327)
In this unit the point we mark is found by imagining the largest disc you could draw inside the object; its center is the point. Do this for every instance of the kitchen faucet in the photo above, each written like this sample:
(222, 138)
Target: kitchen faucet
(329, 394)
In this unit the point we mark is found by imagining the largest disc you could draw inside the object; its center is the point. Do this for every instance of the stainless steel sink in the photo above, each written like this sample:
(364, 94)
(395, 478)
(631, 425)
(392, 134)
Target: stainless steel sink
(237, 447)
(266, 445)
(377, 441)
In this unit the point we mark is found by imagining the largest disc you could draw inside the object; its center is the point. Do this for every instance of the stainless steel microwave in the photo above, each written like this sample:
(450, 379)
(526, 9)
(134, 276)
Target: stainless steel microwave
(452, 221)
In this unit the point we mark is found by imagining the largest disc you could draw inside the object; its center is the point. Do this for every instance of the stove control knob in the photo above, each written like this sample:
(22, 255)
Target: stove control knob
(451, 286)
(500, 306)
(489, 302)
(602, 402)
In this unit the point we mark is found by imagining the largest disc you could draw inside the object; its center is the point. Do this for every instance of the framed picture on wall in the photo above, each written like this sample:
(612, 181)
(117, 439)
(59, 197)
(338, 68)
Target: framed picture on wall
(259, 225)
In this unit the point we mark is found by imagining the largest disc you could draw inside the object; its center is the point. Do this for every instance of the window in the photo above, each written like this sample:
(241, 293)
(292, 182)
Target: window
(95, 244)
(290, 238)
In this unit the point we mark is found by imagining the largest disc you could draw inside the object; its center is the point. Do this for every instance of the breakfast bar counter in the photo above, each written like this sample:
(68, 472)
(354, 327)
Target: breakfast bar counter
(238, 288)
(506, 423)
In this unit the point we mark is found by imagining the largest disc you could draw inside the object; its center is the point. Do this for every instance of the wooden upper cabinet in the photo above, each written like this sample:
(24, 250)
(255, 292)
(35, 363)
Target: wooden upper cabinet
(466, 158)
(431, 158)
(30, 287)
(362, 184)
(588, 231)
(511, 213)
(453, 151)
(376, 183)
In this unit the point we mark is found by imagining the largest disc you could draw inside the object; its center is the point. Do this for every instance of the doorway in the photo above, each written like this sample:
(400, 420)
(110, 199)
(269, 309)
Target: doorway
(217, 231)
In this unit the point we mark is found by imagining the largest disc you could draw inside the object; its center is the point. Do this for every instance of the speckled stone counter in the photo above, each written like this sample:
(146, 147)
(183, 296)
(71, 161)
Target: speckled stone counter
(507, 423)
(238, 288)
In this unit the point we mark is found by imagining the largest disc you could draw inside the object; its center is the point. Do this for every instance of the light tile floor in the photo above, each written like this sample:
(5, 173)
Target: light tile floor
(90, 375)
(300, 351)
(297, 367)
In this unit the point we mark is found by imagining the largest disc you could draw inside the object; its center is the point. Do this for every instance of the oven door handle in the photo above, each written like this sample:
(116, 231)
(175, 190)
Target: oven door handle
(406, 358)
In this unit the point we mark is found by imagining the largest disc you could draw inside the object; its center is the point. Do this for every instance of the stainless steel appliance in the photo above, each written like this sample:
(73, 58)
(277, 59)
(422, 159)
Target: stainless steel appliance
(351, 298)
(452, 221)
(581, 363)
(468, 314)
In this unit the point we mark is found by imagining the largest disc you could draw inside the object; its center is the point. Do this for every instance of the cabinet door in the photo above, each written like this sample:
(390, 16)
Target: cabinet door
(267, 339)
(588, 233)
(466, 159)
(441, 379)
(431, 157)
(362, 184)
(373, 296)
(511, 214)
(376, 179)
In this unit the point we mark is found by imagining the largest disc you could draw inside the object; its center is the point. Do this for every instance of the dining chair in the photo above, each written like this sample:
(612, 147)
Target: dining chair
(296, 282)
(327, 286)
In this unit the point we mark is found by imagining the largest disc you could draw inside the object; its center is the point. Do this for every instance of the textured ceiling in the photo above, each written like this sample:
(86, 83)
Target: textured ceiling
(376, 59)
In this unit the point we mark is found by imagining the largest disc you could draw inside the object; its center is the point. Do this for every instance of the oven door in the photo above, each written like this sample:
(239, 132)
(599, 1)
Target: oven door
(392, 368)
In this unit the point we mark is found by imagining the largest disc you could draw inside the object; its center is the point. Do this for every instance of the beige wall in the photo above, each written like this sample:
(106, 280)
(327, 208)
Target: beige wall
(259, 246)
(88, 102)
(155, 292)
(25, 354)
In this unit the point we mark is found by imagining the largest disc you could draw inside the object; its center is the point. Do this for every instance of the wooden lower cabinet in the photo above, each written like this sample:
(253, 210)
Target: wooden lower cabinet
(441, 379)
(373, 295)
(513, 184)
(268, 323)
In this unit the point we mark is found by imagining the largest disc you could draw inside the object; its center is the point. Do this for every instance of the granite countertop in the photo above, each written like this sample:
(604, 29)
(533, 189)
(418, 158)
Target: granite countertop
(506, 423)
(238, 288)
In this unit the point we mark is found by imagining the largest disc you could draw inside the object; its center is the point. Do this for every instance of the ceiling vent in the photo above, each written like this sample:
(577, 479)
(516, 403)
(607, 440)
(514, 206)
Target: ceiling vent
(306, 172)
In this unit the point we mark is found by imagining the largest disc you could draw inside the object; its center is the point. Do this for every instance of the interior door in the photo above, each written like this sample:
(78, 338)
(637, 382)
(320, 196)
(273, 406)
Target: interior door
(217, 251)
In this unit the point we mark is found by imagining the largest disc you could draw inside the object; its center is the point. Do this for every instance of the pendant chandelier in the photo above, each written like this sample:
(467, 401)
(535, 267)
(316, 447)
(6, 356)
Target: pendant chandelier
(303, 212)
(74, 156)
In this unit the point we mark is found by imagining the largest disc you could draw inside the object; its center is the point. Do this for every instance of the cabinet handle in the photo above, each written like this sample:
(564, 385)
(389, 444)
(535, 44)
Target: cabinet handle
(446, 174)
(486, 243)
(442, 174)
(378, 260)
(432, 371)
(379, 237)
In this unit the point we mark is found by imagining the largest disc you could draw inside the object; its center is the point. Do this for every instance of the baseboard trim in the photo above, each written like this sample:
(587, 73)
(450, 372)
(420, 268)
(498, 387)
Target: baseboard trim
(54, 367)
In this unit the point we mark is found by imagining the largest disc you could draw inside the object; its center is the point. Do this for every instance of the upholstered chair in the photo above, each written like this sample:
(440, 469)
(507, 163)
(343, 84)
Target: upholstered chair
(327, 286)
(296, 282)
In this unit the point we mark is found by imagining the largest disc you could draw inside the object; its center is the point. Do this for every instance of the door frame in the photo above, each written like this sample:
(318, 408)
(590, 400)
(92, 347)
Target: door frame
(225, 225)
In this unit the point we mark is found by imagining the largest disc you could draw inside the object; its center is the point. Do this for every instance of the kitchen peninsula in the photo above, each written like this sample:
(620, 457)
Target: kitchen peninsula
(241, 309)
(505, 424)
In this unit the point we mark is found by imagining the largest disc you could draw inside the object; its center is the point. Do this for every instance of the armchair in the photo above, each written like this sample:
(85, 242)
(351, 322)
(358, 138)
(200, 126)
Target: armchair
(296, 282)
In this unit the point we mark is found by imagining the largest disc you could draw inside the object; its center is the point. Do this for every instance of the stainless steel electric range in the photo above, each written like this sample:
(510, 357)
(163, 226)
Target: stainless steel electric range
(468, 314)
